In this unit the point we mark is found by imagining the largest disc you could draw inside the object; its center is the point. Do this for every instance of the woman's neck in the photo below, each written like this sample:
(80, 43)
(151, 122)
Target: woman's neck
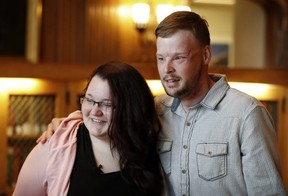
(105, 157)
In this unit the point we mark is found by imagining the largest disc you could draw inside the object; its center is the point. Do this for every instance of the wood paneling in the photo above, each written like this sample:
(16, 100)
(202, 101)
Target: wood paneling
(63, 31)
(79, 31)
(102, 36)
(91, 31)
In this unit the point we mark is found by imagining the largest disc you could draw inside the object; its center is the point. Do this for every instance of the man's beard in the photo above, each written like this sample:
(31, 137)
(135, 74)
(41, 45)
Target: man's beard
(189, 89)
(182, 92)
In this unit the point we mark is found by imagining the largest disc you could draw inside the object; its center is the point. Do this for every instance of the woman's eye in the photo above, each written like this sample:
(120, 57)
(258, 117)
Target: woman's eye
(107, 104)
(90, 101)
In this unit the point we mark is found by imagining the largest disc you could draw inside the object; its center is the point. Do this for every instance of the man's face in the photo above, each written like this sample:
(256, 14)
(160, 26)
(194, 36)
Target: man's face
(180, 61)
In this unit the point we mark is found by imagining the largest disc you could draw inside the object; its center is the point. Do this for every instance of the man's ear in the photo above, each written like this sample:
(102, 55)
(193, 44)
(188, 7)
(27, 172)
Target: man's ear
(207, 54)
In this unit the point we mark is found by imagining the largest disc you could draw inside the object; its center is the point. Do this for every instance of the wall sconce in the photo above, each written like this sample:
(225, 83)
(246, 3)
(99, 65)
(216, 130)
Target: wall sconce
(146, 22)
(163, 10)
(140, 15)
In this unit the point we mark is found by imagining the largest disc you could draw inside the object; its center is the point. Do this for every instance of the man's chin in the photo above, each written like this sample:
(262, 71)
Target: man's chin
(171, 92)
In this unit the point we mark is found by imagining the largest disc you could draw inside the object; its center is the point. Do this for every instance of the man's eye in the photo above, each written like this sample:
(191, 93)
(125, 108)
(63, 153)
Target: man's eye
(179, 57)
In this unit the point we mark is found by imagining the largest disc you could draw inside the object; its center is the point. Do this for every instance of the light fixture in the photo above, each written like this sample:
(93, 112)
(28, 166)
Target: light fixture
(223, 2)
(140, 15)
(146, 22)
(181, 8)
(163, 10)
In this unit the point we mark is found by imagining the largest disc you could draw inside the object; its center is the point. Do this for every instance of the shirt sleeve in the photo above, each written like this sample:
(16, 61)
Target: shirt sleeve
(32, 177)
(260, 160)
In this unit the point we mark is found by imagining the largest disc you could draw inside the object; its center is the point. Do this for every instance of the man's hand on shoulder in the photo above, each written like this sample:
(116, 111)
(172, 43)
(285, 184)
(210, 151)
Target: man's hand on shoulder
(46, 135)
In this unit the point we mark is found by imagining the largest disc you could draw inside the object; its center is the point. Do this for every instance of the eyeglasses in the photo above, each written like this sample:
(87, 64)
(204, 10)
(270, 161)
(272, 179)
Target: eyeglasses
(105, 105)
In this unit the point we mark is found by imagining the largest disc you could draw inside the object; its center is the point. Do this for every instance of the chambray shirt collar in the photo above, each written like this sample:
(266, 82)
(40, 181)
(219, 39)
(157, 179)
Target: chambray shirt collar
(212, 98)
(217, 92)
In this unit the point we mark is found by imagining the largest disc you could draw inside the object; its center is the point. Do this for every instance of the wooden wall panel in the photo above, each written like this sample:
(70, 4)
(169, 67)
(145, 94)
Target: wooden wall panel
(91, 32)
(79, 31)
(102, 37)
(63, 31)
(48, 35)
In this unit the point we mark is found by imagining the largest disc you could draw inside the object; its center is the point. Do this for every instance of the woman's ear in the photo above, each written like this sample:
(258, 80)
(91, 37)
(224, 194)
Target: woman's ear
(207, 54)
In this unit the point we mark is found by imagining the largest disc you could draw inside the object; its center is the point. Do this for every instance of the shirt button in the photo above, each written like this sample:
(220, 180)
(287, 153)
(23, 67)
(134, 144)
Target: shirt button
(184, 171)
(185, 147)
(188, 123)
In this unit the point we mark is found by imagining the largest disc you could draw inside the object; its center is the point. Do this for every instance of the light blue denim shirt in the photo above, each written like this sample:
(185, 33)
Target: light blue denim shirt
(225, 145)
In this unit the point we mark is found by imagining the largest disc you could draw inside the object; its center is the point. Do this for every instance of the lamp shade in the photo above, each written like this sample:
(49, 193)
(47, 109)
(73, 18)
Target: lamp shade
(163, 10)
(140, 13)
(181, 8)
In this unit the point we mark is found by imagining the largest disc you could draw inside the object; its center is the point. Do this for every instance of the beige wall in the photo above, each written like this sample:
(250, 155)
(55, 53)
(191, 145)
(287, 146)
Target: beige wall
(242, 26)
(221, 24)
(249, 36)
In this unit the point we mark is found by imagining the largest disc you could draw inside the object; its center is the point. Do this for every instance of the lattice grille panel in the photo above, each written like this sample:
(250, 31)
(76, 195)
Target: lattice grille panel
(29, 115)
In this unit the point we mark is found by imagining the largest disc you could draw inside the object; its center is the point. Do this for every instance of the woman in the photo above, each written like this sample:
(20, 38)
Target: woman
(112, 152)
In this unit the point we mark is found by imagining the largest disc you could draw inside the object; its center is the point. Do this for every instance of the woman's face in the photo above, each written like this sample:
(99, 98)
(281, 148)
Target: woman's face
(97, 107)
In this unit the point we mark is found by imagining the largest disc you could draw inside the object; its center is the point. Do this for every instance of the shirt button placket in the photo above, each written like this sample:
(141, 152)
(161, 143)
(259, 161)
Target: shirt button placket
(184, 170)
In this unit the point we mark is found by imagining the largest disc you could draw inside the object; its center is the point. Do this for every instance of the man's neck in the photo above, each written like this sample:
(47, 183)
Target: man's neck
(188, 102)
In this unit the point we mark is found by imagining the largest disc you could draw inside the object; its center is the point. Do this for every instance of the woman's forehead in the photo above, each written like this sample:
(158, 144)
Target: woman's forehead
(99, 88)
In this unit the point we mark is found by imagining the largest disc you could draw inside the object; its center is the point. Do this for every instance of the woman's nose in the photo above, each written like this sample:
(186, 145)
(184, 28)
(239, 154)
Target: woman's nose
(96, 110)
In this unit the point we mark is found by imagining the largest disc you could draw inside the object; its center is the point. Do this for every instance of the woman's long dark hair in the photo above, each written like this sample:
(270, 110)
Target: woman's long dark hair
(135, 126)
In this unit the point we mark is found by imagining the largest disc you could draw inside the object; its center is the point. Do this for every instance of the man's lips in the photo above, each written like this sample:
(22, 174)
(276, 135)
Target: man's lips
(171, 80)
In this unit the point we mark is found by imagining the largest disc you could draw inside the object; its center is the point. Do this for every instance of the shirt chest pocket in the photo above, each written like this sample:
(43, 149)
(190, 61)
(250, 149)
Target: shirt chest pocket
(164, 151)
(212, 160)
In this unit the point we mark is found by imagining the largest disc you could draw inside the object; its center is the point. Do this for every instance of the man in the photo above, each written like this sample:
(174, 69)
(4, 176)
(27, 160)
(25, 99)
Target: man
(215, 140)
